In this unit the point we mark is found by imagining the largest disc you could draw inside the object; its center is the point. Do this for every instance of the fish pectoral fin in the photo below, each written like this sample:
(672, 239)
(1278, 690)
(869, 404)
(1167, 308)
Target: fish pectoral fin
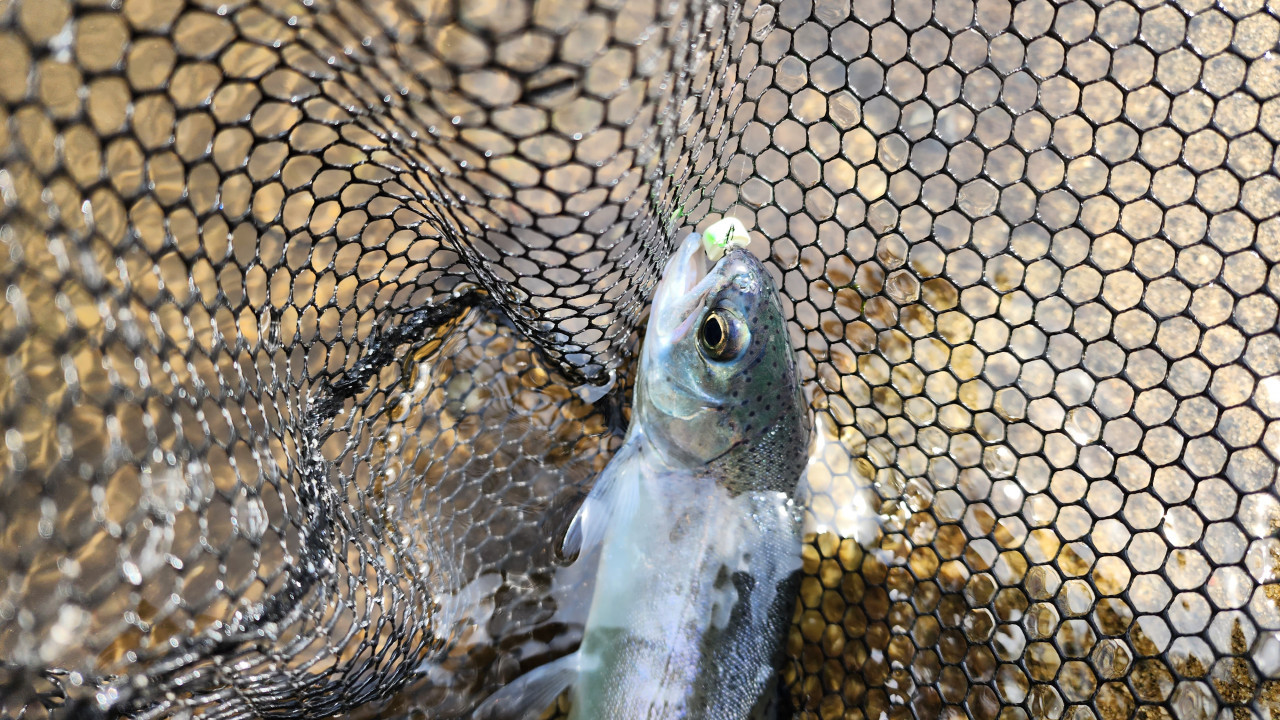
(611, 501)
(528, 695)
(572, 545)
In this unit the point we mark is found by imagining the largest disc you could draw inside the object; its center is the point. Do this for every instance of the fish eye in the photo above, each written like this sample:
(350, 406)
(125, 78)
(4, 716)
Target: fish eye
(722, 335)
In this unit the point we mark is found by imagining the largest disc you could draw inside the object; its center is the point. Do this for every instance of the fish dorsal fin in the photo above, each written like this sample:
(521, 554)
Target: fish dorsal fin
(526, 697)
(612, 501)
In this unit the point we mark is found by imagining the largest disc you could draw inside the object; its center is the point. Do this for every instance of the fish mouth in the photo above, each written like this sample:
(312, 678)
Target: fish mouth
(680, 278)
(686, 281)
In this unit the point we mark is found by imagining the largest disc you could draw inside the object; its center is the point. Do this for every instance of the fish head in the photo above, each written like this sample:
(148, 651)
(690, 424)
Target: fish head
(718, 385)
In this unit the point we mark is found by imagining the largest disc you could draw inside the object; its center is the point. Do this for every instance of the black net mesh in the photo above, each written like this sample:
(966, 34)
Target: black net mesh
(297, 296)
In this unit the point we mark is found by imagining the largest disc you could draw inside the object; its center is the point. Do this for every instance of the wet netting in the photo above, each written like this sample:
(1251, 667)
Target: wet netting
(309, 306)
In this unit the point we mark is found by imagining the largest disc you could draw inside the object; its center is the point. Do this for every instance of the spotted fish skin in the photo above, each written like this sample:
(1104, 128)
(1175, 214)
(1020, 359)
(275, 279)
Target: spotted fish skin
(692, 526)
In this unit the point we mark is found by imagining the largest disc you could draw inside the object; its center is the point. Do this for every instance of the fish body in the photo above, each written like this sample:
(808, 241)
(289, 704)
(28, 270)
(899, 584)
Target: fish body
(692, 524)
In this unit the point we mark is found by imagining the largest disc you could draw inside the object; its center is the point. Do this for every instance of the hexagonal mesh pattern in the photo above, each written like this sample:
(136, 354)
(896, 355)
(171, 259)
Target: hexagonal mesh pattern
(294, 293)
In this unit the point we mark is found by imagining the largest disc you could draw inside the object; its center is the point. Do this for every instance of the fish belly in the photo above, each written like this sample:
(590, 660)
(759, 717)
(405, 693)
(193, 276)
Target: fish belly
(690, 600)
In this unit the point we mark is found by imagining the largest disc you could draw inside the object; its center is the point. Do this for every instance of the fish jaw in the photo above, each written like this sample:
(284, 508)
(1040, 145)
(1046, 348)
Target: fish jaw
(679, 292)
